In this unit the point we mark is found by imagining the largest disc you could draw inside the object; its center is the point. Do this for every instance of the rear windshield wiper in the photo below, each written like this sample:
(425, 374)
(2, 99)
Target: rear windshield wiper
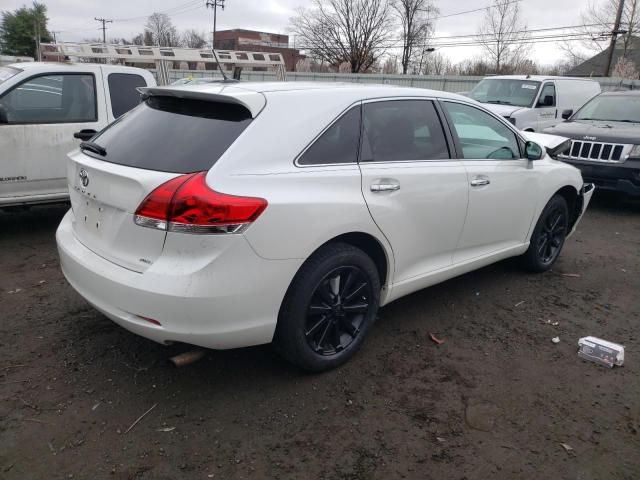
(94, 147)
(627, 121)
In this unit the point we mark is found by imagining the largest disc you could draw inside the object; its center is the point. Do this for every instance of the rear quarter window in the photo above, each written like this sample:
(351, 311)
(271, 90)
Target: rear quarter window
(123, 91)
(173, 134)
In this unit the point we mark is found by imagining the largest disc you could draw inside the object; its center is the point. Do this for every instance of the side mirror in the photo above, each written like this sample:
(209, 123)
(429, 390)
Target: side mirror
(566, 114)
(533, 151)
(4, 115)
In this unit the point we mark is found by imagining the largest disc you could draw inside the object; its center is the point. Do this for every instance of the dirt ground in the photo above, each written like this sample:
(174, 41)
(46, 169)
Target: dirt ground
(497, 400)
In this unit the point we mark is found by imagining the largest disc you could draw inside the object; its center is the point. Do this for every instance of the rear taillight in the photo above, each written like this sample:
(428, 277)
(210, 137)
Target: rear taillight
(186, 204)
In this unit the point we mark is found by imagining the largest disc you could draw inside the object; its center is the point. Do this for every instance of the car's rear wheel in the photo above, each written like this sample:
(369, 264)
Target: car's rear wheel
(548, 236)
(329, 308)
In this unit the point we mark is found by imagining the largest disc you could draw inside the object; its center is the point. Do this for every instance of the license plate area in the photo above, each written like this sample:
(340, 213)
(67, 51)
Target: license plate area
(91, 215)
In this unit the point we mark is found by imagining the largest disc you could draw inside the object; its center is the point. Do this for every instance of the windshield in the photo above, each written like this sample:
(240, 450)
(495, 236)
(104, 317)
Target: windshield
(614, 108)
(7, 72)
(519, 93)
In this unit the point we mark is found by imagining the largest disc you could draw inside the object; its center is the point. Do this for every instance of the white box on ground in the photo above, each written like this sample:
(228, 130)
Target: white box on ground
(601, 351)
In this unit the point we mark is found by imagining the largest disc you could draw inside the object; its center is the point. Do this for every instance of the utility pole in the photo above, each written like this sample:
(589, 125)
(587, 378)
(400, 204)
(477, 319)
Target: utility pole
(614, 37)
(36, 34)
(104, 22)
(214, 4)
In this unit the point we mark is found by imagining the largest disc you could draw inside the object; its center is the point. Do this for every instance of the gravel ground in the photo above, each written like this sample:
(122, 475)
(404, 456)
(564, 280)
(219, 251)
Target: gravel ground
(496, 400)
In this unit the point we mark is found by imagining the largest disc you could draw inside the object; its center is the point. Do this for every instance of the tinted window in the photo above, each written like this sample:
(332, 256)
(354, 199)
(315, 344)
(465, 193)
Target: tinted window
(506, 92)
(173, 134)
(67, 98)
(338, 144)
(481, 135)
(402, 130)
(549, 90)
(122, 88)
(620, 108)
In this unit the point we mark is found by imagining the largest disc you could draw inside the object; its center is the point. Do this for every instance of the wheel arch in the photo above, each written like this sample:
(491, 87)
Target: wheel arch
(369, 245)
(574, 203)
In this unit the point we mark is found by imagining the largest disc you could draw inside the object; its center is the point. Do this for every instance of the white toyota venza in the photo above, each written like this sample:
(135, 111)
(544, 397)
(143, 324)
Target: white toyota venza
(229, 215)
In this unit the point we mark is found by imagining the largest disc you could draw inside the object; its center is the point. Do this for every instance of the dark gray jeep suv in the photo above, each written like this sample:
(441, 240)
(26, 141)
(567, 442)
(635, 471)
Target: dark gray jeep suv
(605, 140)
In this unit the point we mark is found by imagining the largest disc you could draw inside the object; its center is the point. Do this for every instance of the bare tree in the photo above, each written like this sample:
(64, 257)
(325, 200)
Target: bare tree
(191, 38)
(390, 65)
(161, 30)
(503, 35)
(413, 17)
(597, 21)
(625, 68)
(436, 64)
(337, 31)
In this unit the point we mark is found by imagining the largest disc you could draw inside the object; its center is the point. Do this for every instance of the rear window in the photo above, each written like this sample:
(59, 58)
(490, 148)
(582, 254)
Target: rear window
(173, 134)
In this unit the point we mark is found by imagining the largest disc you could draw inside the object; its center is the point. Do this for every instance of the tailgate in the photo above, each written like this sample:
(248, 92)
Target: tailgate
(104, 198)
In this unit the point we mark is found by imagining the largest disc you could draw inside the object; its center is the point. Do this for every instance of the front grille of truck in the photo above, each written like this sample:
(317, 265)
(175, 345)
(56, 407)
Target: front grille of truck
(597, 152)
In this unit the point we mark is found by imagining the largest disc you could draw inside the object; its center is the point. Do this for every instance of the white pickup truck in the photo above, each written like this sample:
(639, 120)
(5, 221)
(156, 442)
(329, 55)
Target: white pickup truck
(46, 109)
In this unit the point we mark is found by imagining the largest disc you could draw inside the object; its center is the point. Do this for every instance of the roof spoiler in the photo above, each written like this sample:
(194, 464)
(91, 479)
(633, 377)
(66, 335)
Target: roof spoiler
(252, 101)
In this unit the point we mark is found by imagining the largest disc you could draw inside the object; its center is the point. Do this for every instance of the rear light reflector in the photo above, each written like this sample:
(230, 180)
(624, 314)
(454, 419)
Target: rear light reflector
(150, 320)
(186, 204)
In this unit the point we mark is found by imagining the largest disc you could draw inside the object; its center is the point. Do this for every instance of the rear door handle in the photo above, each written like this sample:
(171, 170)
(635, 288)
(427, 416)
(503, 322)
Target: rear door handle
(385, 187)
(480, 181)
(85, 134)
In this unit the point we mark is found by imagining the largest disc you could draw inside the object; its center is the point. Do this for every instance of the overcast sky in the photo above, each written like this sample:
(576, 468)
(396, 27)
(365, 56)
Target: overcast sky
(74, 19)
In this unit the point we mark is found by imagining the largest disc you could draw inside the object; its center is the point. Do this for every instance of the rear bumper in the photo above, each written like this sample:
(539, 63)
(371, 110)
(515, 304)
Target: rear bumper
(215, 300)
(623, 177)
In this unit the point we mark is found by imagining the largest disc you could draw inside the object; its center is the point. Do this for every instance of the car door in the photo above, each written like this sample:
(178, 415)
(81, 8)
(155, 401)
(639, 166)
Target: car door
(43, 113)
(502, 184)
(416, 193)
(546, 107)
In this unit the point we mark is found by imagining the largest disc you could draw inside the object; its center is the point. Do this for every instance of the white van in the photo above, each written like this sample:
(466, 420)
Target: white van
(46, 109)
(534, 102)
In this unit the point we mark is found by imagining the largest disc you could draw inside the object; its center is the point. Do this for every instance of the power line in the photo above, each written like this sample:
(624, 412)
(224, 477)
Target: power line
(476, 41)
(533, 30)
(170, 11)
(467, 11)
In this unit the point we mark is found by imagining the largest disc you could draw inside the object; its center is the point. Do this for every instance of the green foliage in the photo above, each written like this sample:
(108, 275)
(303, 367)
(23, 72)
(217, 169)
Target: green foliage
(17, 30)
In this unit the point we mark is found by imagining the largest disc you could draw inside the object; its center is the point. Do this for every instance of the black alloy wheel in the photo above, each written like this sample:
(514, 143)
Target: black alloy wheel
(329, 308)
(552, 235)
(337, 310)
(548, 236)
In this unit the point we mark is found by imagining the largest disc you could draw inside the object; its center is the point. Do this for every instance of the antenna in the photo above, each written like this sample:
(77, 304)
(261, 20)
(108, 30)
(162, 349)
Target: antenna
(215, 4)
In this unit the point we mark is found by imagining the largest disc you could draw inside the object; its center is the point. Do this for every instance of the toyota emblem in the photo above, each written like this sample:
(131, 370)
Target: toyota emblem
(84, 177)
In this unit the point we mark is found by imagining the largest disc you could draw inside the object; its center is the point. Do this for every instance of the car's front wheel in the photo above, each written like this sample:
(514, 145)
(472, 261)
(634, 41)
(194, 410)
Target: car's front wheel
(548, 236)
(329, 308)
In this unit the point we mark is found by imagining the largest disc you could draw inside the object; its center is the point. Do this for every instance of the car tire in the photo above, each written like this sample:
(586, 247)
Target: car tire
(548, 236)
(329, 308)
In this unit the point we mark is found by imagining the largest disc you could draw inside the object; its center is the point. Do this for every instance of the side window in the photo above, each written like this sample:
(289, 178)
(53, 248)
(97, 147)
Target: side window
(122, 89)
(399, 130)
(64, 98)
(482, 136)
(547, 96)
(338, 144)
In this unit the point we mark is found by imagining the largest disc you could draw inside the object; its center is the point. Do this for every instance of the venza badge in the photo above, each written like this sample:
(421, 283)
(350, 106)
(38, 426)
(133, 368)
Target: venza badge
(84, 177)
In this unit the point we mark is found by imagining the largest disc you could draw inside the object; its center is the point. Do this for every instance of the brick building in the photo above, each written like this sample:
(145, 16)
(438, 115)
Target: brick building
(250, 40)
